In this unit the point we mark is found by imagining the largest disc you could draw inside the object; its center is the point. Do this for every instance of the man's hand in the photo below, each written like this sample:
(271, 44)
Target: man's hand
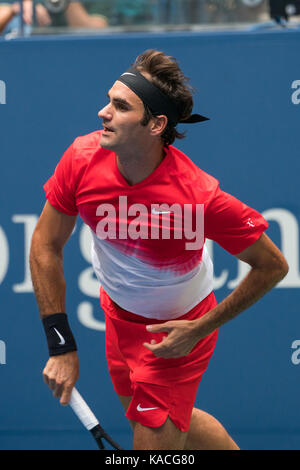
(179, 342)
(60, 374)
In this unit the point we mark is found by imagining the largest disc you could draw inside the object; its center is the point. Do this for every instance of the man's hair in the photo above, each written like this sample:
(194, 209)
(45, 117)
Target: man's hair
(167, 76)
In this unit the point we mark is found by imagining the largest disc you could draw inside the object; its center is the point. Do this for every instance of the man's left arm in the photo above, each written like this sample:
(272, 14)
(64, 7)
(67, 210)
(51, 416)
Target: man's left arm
(268, 267)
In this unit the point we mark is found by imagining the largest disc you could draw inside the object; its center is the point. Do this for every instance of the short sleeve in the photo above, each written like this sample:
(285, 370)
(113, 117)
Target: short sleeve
(60, 188)
(231, 223)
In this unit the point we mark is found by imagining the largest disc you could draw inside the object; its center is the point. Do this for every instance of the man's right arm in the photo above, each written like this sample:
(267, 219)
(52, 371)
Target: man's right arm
(46, 263)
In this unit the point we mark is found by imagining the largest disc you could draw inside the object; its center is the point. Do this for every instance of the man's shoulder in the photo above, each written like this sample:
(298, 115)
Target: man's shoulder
(86, 147)
(187, 170)
(87, 141)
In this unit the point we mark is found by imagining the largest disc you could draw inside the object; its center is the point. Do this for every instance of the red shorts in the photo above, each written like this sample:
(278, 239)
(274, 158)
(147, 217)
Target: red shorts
(159, 387)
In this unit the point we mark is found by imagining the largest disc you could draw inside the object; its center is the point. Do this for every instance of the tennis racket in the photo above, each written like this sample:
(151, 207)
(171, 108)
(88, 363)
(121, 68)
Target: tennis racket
(89, 421)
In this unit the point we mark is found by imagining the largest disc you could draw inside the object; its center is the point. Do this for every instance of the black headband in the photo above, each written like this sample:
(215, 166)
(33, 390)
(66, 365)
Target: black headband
(156, 100)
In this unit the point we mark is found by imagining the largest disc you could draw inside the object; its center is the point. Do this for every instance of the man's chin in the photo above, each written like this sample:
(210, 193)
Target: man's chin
(105, 143)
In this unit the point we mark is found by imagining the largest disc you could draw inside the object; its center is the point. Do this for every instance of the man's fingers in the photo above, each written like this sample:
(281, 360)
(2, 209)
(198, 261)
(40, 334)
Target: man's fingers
(153, 345)
(60, 374)
(45, 378)
(159, 328)
(149, 345)
(159, 351)
(46, 373)
(66, 395)
(156, 348)
(58, 390)
(52, 384)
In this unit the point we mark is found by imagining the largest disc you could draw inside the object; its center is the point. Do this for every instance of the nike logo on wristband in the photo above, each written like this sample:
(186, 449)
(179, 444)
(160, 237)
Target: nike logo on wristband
(139, 408)
(62, 340)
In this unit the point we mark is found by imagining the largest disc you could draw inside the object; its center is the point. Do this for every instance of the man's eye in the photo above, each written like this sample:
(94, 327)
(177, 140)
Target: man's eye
(121, 106)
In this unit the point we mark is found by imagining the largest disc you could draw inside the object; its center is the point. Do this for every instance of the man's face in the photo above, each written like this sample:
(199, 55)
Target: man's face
(121, 119)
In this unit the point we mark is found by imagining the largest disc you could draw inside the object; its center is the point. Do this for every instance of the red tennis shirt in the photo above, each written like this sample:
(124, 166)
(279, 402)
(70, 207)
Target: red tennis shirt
(149, 239)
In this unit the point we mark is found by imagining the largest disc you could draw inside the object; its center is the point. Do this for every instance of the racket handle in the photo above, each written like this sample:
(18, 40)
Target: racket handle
(82, 410)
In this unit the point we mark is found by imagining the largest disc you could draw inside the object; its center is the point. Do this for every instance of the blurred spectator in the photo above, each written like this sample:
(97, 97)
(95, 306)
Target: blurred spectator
(75, 16)
(97, 14)
(10, 15)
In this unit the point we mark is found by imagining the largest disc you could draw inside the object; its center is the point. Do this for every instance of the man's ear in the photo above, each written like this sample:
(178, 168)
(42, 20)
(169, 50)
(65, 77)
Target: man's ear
(158, 124)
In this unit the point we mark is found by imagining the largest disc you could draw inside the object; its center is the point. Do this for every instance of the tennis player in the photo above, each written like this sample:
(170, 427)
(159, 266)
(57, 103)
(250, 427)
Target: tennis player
(150, 209)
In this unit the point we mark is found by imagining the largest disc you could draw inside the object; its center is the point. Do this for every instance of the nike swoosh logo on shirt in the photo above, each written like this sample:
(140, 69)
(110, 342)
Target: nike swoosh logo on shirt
(128, 73)
(139, 408)
(62, 340)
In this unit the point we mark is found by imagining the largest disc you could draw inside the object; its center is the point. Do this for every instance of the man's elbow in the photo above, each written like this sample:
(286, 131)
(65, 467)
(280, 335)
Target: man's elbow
(280, 269)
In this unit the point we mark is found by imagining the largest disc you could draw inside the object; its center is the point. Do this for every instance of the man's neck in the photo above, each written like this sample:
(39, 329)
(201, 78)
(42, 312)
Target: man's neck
(138, 166)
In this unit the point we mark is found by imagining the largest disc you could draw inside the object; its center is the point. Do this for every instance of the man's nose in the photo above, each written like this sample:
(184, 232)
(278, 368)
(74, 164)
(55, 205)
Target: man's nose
(105, 113)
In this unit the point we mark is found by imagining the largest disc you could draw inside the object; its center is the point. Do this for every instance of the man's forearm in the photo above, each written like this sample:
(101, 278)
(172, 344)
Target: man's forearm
(48, 280)
(254, 286)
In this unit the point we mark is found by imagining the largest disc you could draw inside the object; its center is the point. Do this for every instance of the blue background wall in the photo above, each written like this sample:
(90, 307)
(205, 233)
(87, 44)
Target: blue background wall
(249, 84)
